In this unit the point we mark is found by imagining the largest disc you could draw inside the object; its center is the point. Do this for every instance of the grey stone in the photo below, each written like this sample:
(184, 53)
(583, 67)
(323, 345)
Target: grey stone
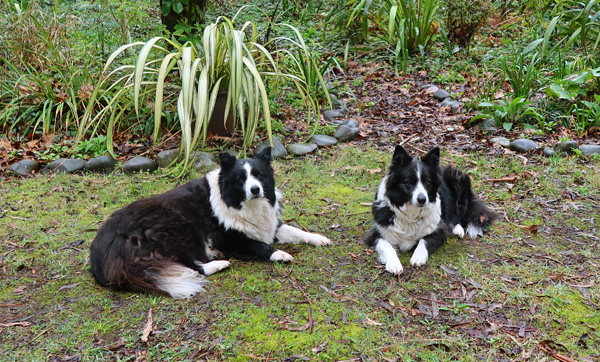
(301, 149)
(567, 147)
(453, 104)
(24, 167)
(352, 123)
(331, 114)
(487, 124)
(323, 140)
(277, 151)
(588, 150)
(502, 141)
(345, 133)
(440, 94)
(67, 165)
(523, 145)
(138, 164)
(103, 164)
(204, 160)
(165, 158)
(548, 151)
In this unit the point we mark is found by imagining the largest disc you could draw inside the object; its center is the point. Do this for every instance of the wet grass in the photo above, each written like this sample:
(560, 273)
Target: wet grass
(526, 291)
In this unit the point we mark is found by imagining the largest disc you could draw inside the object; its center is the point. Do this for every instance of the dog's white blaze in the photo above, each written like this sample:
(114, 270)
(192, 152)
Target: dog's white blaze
(213, 266)
(251, 182)
(420, 255)
(387, 255)
(290, 234)
(257, 219)
(474, 231)
(419, 189)
(180, 282)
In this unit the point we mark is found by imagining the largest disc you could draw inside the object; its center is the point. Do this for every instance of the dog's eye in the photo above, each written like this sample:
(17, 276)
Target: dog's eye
(426, 183)
(257, 174)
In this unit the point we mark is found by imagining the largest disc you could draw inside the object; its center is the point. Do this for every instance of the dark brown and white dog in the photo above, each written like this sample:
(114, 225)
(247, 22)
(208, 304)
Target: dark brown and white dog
(167, 243)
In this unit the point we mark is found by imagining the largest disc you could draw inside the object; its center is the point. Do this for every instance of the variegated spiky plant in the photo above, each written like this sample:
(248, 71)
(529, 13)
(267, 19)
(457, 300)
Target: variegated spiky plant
(227, 59)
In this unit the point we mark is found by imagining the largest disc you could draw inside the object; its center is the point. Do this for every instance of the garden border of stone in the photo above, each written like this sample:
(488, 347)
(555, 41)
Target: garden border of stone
(346, 131)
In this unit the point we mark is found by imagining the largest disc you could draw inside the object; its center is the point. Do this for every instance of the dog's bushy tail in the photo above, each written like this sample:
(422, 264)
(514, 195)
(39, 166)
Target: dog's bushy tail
(122, 264)
(474, 214)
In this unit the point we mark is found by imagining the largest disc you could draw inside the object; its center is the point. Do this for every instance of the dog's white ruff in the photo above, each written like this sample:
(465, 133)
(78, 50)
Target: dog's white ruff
(420, 255)
(290, 234)
(180, 281)
(387, 255)
(257, 219)
(213, 266)
(281, 255)
(458, 231)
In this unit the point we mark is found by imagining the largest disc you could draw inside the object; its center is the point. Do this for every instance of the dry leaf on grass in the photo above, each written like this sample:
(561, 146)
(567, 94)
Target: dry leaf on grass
(148, 328)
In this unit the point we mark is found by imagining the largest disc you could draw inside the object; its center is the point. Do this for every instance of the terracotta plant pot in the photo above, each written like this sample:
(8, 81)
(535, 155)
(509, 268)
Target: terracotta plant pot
(219, 126)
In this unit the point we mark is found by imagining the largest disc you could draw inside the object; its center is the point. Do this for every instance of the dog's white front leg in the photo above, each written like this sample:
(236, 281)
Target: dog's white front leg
(387, 255)
(420, 255)
(289, 234)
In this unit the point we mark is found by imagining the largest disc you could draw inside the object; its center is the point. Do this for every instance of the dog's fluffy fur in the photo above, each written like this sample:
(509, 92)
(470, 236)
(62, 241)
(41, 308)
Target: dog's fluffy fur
(418, 205)
(167, 243)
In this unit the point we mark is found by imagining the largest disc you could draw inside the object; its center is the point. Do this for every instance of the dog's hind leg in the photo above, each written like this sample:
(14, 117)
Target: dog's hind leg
(289, 234)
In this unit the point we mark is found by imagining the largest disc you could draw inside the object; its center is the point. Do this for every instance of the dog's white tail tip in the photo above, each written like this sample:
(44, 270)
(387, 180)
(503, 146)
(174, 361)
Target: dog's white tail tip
(180, 282)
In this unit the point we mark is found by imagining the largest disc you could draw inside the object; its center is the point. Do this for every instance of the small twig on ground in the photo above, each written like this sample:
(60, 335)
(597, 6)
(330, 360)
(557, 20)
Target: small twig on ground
(148, 328)
(502, 179)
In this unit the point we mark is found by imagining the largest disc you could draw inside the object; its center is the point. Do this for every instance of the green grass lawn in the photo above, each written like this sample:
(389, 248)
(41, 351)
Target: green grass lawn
(526, 291)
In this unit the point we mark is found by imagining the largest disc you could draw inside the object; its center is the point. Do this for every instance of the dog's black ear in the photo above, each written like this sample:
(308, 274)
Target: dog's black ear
(227, 160)
(432, 157)
(401, 157)
(264, 155)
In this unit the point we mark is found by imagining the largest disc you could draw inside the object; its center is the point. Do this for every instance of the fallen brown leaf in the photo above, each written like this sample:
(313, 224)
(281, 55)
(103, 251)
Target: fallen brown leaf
(148, 328)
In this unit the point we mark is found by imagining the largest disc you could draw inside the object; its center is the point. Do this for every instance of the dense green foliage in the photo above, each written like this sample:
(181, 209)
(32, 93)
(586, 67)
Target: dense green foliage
(528, 56)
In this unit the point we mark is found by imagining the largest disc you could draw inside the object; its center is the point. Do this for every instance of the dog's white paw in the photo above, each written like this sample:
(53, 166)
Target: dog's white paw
(394, 267)
(319, 240)
(213, 266)
(281, 255)
(420, 256)
(458, 231)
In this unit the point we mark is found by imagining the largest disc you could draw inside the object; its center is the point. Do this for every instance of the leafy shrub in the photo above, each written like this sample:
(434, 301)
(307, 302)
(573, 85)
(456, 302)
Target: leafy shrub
(463, 18)
(193, 75)
(524, 72)
(45, 79)
(509, 112)
(586, 115)
(583, 23)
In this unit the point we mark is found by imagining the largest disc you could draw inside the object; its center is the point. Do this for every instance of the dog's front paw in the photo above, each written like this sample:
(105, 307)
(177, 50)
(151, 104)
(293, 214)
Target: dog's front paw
(458, 231)
(319, 240)
(282, 256)
(394, 267)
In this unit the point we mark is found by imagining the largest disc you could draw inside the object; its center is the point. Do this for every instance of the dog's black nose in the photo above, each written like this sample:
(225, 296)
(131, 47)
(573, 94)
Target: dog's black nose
(421, 199)
(255, 190)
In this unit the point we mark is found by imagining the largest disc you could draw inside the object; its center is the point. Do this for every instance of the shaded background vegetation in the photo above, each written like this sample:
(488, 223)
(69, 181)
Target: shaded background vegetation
(533, 65)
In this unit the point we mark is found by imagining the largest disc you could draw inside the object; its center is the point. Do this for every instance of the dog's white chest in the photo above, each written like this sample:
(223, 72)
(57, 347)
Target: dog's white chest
(411, 224)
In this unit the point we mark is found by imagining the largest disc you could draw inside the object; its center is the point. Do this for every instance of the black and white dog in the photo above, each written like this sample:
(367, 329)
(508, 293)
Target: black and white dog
(418, 205)
(167, 243)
